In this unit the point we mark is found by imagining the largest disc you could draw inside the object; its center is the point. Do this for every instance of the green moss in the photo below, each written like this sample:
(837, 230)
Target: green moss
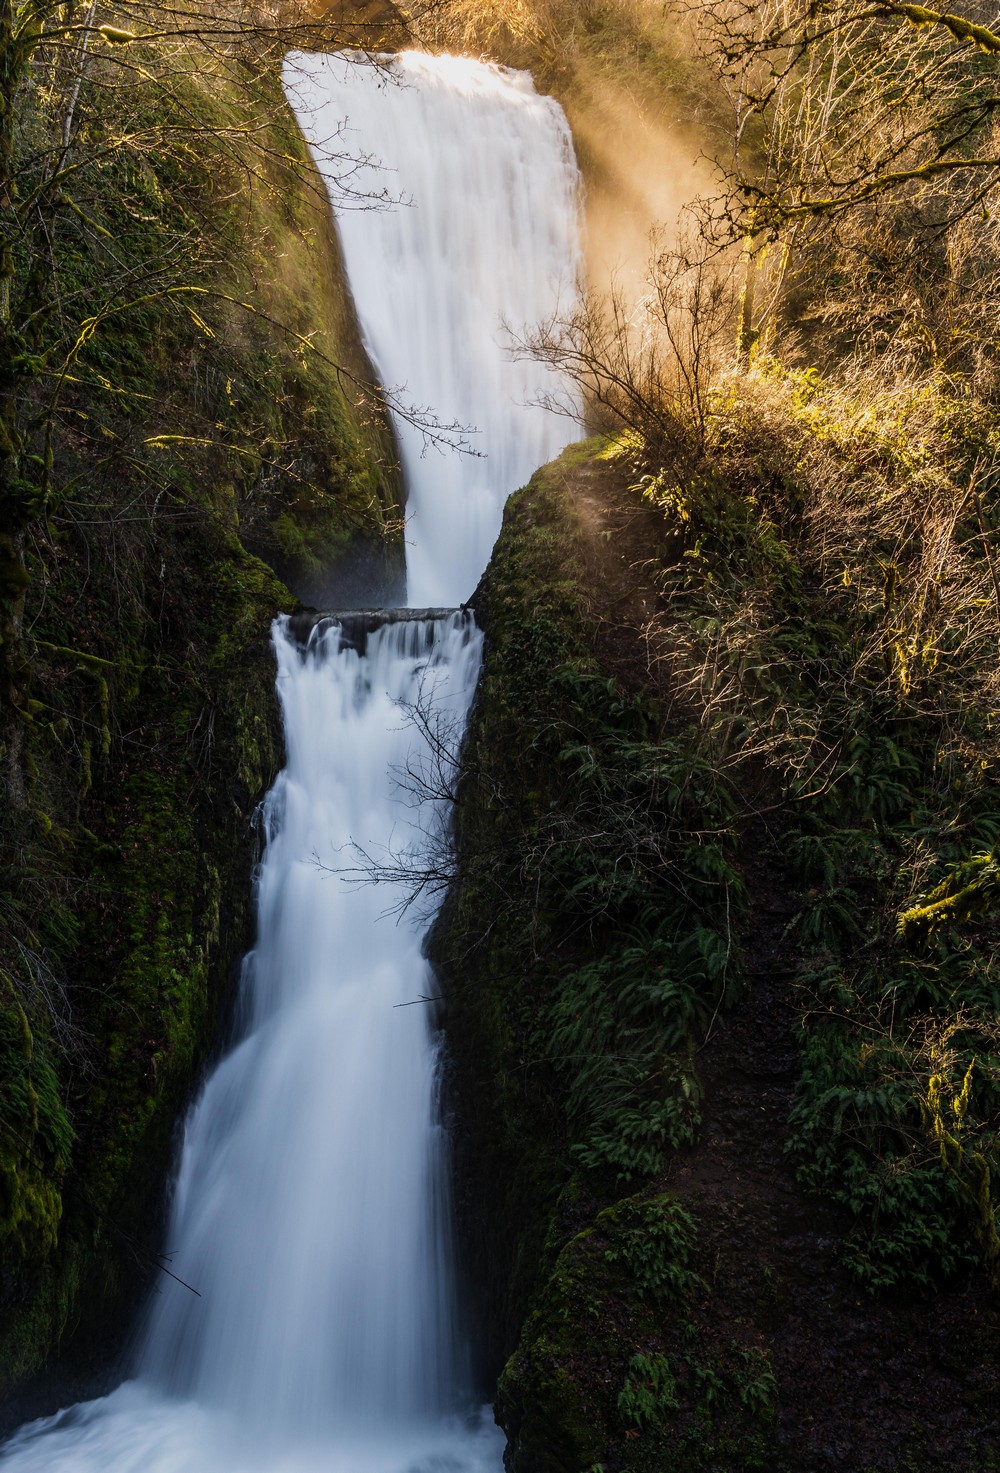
(152, 941)
(193, 423)
(620, 1361)
(971, 889)
(30, 1207)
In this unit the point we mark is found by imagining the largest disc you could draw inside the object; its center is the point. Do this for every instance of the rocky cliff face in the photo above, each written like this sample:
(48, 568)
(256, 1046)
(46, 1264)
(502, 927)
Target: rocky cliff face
(210, 410)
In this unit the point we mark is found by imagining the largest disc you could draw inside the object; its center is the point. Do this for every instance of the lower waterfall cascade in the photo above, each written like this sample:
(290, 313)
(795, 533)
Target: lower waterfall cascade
(310, 1210)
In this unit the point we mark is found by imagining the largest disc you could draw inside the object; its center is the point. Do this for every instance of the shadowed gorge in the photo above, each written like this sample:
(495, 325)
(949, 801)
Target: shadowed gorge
(311, 1311)
(619, 1041)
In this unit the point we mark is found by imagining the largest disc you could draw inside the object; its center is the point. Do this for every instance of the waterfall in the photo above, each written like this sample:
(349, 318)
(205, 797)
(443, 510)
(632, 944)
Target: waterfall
(321, 1318)
(310, 1210)
(483, 244)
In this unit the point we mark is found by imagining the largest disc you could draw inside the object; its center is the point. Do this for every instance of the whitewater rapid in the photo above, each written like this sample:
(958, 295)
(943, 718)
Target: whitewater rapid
(310, 1209)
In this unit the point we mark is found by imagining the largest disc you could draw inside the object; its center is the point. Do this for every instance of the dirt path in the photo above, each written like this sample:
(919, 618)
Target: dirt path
(864, 1384)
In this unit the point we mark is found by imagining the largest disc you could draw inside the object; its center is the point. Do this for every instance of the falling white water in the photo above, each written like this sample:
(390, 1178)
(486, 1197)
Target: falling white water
(310, 1210)
(310, 1198)
(483, 249)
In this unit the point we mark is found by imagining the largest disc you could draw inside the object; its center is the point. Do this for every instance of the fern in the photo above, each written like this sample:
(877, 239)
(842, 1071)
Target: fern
(650, 1391)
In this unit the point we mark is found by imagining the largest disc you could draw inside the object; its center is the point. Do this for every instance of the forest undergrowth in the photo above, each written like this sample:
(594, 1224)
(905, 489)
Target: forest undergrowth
(792, 669)
(840, 642)
(816, 419)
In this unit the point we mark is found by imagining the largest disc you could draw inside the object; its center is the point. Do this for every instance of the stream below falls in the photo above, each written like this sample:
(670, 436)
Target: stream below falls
(310, 1210)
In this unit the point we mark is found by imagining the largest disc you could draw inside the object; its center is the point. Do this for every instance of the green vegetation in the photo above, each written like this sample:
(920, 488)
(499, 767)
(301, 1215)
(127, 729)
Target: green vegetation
(852, 639)
(618, 1359)
(608, 834)
(181, 385)
(569, 851)
(742, 664)
(588, 947)
(596, 815)
(799, 672)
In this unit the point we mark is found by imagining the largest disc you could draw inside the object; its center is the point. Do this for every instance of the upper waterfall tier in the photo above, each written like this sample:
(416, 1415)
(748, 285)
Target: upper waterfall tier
(481, 247)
